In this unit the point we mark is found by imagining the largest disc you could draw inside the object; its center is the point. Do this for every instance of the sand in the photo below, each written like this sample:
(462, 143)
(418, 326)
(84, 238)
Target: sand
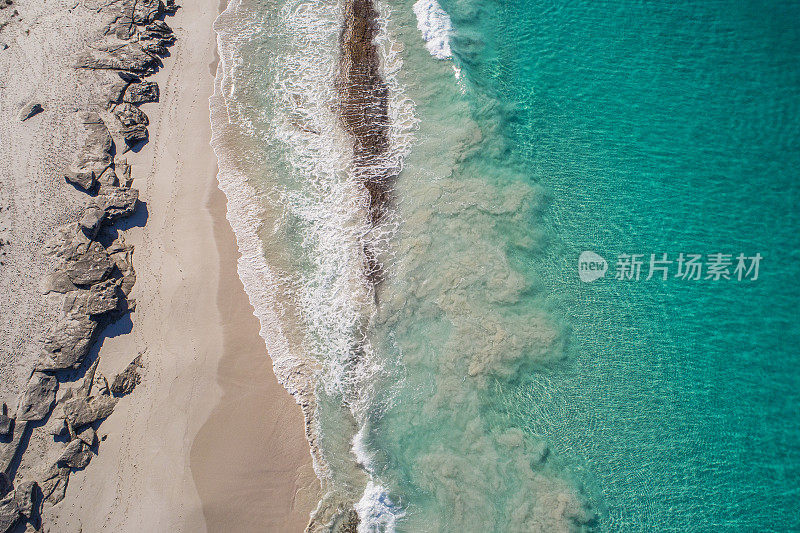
(209, 441)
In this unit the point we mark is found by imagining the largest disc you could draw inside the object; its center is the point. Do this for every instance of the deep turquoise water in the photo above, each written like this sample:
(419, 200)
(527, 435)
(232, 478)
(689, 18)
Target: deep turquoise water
(660, 128)
(483, 386)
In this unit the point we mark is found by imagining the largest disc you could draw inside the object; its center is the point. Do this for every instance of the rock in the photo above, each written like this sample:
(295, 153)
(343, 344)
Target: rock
(116, 202)
(117, 55)
(109, 178)
(159, 26)
(102, 385)
(91, 219)
(95, 155)
(3, 46)
(54, 484)
(125, 172)
(30, 109)
(38, 398)
(134, 122)
(5, 484)
(57, 282)
(121, 253)
(126, 381)
(9, 513)
(141, 93)
(8, 450)
(145, 11)
(6, 423)
(83, 411)
(76, 455)
(24, 496)
(88, 436)
(68, 342)
(91, 266)
(85, 390)
(98, 299)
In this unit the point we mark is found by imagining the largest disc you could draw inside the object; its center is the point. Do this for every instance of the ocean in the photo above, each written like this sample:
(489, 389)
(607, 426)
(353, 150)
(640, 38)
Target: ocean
(492, 379)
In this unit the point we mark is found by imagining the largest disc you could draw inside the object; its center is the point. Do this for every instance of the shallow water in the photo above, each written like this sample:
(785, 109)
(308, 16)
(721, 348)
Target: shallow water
(492, 389)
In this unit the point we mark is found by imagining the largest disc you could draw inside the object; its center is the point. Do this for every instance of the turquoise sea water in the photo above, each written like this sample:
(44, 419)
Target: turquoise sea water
(493, 390)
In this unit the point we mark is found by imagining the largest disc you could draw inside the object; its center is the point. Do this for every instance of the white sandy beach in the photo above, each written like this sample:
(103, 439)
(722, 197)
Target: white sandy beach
(209, 441)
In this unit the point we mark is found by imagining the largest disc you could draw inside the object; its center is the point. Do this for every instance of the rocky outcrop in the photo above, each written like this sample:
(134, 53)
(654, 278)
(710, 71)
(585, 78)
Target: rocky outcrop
(81, 412)
(76, 455)
(116, 54)
(94, 273)
(126, 381)
(30, 109)
(141, 93)
(95, 156)
(6, 423)
(9, 513)
(38, 398)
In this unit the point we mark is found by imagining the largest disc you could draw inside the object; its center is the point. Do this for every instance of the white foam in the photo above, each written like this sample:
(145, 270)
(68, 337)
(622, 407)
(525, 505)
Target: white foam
(376, 511)
(435, 25)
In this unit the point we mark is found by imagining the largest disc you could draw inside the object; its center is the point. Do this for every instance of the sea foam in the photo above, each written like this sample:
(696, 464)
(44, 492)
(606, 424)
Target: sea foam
(435, 25)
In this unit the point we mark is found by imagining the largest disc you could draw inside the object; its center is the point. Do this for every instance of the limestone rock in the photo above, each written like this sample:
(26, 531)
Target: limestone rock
(9, 513)
(141, 93)
(57, 282)
(38, 398)
(30, 109)
(126, 381)
(97, 300)
(95, 155)
(54, 484)
(109, 178)
(68, 342)
(8, 450)
(76, 455)
(88, 266)
(5, 484)
(134, 122)
(91, 219)
(116, 55)
(23, 495)
(121, 254)
(6, 423)
(146, 11)
(116, 202)
(88, 436)
(83, 411)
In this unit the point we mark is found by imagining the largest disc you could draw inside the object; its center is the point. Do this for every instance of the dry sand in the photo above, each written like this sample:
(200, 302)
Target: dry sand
(209, 441)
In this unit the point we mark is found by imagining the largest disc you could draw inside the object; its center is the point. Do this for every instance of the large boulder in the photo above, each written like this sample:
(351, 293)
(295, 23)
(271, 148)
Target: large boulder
(145, 11)
(91, 266)
(97, 300)
(126, 381)
(116, 54)
(133, 122)
(24, 496)
(6, 423)
(116, 202)
(38, 398)
(82, 411)
(76, 455)
(95, 155)
(54, 483)
(141, 93)
(9, 513)
(68, 342)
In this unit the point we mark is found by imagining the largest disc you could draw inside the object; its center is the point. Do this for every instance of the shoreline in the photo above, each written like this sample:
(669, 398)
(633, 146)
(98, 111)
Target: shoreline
(266, 482)
(166, 461)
